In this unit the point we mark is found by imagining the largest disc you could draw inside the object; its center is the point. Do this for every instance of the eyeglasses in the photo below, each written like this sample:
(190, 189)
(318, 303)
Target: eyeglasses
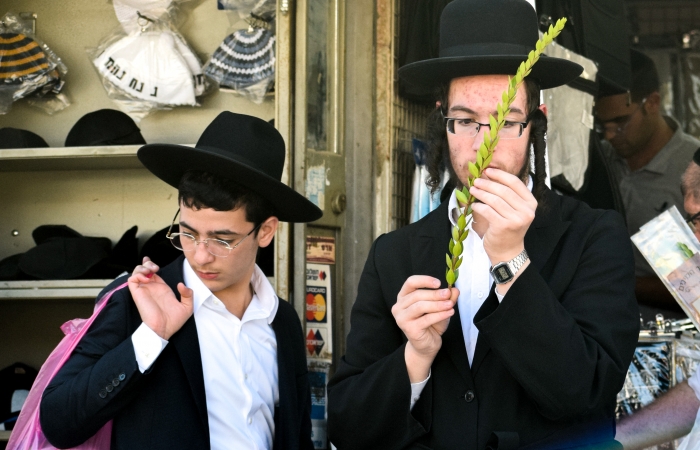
(622, 122)
(691, 222)
(217, 247)
(470, 128)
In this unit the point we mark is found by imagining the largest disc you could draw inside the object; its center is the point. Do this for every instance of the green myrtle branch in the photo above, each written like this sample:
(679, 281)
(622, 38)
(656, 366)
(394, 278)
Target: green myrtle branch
(485, 153)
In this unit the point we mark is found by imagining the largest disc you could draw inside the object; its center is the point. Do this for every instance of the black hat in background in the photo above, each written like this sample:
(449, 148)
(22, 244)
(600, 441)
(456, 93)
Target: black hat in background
(15, 382)
(104, 127)
(43, 233)
(10, 271)
(17, 138)
(241, 148)
(159, 248)
(492, 37)
(123, 258)
(62, 253)
(64, 258)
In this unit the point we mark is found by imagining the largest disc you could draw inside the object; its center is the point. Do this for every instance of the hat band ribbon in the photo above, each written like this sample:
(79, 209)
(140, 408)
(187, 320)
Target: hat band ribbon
(485, 49)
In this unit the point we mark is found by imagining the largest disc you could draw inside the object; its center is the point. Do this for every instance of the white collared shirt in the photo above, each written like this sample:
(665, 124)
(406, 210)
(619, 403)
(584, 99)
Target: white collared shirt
(474, 284)
(239, 363)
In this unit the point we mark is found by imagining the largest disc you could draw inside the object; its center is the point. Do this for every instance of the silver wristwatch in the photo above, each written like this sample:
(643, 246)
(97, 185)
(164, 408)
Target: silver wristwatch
(503, 272)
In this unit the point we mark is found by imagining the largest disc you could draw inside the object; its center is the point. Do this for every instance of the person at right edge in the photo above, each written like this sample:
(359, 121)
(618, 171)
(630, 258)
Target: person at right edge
(647, 153)
(534, 361)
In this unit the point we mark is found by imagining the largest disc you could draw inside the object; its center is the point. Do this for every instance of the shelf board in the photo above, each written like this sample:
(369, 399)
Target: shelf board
(5, 435)
(70, 158)
(51, 289)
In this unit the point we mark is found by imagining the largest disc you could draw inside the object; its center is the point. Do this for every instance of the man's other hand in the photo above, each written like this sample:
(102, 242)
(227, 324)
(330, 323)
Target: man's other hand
(423, 312)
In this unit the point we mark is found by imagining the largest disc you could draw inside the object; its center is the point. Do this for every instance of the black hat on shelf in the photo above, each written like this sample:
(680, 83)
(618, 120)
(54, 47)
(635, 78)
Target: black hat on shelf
(123, 258)
(104, 127)
(241, 148)
(62, 253)
(492, 37)
(18, 138)
(10, 271)
(64, 258)
(159, 248)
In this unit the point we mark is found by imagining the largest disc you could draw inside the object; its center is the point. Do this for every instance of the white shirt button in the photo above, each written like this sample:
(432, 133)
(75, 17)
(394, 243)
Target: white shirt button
(250, 420)
(245, 376)
(480, 294)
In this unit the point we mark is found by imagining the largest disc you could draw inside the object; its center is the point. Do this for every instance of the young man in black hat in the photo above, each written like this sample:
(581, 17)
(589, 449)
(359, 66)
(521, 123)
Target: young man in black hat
(201, 353)
(536, 359)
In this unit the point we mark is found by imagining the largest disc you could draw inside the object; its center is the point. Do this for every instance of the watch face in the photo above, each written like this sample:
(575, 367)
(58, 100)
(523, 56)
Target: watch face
(502, 273)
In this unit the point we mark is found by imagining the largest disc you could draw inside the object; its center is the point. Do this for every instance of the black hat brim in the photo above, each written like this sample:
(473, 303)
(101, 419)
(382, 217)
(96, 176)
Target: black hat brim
(169, 162)
(550, 72)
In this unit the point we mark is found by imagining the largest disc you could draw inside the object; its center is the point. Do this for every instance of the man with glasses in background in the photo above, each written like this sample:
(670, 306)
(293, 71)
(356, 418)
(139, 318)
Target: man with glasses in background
(531, 346)
(201, 353)
(647, 153)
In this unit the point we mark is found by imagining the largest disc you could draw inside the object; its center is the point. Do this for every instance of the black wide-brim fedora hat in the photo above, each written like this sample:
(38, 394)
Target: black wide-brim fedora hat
(488, 37)
(241, 148)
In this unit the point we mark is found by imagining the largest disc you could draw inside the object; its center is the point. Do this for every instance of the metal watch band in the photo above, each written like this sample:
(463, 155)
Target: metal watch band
(516, 263)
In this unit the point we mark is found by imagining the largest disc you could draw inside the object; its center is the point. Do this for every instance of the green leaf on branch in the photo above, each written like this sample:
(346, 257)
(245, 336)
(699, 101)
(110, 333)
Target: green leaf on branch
(472, 169)
(461, 198)
(450, 278)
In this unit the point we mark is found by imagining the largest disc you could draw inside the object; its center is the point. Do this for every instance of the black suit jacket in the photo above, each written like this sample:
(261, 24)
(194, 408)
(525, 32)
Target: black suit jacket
(164, 408)
(549, 360)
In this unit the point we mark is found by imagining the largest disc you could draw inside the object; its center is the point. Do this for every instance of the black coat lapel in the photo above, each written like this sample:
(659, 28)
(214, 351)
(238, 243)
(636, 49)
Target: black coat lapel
(286, 382)
(186, 342)
(429, 245)
(546, 231)
(540, 241)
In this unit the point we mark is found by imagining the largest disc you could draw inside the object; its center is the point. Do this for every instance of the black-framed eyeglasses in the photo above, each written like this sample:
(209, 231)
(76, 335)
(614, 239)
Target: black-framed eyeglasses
(217, 247)
(691, 222)
(470, 128)
(622, 122)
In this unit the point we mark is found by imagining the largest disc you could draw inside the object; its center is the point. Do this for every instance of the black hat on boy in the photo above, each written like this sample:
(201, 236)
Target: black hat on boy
(493, 37)
(244, 149)
(104, 127)
(17, 138)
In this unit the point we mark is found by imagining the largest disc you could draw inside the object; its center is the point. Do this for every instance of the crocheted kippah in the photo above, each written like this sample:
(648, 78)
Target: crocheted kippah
(243, 59)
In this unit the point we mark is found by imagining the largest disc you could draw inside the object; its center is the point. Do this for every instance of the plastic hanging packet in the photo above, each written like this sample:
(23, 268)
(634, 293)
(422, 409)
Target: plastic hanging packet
(149, 69)
(28, 67)
(245, 63)
(674, 253)
(244, 8)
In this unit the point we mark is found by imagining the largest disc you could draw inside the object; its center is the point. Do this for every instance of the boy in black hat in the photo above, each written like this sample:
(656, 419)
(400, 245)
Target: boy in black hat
(200, 353)
(535, 360)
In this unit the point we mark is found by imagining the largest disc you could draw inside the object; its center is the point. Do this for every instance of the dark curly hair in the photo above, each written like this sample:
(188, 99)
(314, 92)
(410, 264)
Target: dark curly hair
(199, 190)
(438, 152)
